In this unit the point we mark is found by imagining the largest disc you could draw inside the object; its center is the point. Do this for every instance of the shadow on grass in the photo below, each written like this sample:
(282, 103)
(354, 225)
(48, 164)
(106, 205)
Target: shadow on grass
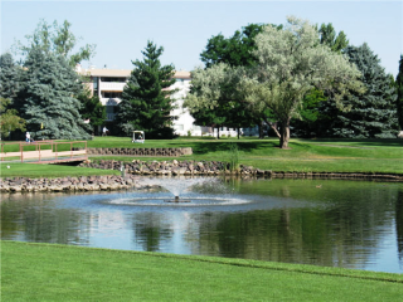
(200, 148)
(387, 142)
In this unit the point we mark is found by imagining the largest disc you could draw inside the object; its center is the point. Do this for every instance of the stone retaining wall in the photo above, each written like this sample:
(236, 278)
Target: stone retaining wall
(81, 183)
(174, 152)
(175, 167)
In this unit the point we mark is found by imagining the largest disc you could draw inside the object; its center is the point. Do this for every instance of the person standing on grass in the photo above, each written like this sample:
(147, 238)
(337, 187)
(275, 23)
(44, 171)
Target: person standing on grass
(28, 137)
(104, 130)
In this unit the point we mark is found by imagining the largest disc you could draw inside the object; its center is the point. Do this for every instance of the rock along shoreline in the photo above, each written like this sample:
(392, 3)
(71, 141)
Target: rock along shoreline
(205, 168)
(133, 170)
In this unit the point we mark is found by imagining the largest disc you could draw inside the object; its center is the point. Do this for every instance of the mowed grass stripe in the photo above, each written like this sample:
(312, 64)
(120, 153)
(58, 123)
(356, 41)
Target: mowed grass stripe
(44, 272)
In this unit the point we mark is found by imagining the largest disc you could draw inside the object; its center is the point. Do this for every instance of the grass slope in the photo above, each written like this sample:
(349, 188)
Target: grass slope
(384, 156)
(37, 170)
(45, 272)
(305, 155)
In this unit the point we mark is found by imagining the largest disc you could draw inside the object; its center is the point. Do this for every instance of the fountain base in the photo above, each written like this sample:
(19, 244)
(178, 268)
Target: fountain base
(177, 200)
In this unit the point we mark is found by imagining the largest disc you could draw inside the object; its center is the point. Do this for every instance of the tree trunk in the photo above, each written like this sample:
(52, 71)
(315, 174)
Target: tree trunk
(218, 132)
(238, 132)
(260, 125)
(285, 134)
(274, 127)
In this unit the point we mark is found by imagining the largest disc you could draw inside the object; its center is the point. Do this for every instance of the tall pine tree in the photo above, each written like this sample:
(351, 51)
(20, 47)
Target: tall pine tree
(146, 102)
(399, 85)
(328, 37)
(9, 77)
(48, 98)
(373, 113)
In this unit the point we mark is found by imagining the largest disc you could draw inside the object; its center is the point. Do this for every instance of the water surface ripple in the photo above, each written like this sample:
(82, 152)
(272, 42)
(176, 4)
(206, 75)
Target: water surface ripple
(352, 224)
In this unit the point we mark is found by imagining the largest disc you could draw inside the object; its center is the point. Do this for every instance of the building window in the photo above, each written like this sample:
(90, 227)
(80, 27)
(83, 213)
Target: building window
(179, 80)
(112, 95)
(110, 109)
(116, 80)
(95, 85)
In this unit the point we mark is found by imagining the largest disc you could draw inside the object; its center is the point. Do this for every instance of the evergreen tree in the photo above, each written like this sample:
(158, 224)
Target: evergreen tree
(48, 98)
(328, 37)
(9, 77)
(146, 102)
(92, 109)
(373, 114)
(399, 87)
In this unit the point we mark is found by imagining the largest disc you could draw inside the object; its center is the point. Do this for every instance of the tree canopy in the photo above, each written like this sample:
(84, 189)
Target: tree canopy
(146, 102)
(58, 40)
(10, 121)
(235, 50)
(9, 76)
(291, 63)
(48, 97)
(373, 113)
(92, 109)
(328, 37)
(399, 86)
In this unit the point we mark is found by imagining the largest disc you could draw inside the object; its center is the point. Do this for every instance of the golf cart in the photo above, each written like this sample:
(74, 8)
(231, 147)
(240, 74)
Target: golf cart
(138, 137)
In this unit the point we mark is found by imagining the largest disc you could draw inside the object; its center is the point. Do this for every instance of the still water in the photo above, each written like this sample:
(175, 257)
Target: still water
(352, 224)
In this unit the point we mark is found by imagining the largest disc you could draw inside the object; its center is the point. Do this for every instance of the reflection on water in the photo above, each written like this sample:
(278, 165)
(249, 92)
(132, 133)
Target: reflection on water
(343, 223)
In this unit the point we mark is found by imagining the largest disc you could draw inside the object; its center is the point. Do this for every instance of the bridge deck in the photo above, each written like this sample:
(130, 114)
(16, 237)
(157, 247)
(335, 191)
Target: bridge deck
(45, 156)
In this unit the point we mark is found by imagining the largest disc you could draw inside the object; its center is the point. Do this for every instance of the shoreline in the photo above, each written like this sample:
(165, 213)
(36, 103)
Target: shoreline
(117, 183)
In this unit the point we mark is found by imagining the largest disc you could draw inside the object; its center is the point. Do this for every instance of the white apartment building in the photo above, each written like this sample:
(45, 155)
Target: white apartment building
(108, 84)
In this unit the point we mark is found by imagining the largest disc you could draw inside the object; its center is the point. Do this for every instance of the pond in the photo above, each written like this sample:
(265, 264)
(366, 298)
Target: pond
(351, 224)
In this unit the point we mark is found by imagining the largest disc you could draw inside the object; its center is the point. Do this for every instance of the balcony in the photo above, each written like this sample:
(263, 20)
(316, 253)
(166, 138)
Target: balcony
(111, 86)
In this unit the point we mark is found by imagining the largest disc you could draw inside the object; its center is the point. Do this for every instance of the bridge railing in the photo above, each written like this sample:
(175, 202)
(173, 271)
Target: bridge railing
(44, 150)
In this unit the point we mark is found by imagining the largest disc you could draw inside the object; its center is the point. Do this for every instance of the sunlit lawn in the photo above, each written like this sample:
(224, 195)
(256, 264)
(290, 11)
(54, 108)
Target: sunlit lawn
(324, 155)
(45, 272)
(304, 155)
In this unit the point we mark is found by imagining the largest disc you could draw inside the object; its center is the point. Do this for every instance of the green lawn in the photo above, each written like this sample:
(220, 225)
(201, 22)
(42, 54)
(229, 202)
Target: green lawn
(305, 155)
(38, 170)
(337, 155)
(46, 272)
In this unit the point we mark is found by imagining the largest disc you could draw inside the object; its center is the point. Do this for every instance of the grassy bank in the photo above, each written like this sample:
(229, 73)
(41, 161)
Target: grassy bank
(36, 170)
(384, 156)
(45, 272)
(305, 155)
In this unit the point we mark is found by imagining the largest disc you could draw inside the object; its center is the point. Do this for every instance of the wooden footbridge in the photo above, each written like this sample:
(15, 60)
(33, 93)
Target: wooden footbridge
(44, 152)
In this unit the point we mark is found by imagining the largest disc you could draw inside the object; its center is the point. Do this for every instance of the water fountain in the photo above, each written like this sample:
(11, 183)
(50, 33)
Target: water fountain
(214, 193)
(177, 186)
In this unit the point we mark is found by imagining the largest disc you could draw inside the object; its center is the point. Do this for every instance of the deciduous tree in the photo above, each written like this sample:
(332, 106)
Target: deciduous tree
(399, 85)
(291, 64)
(235, 50)
(92, 109)
(10, 120)
(58, 40)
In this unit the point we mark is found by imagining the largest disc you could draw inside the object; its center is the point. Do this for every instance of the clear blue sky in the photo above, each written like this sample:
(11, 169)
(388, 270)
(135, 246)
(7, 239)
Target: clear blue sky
(121, 29)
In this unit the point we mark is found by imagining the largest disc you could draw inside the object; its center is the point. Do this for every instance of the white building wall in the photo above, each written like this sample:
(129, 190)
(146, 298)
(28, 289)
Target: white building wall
(184, 124)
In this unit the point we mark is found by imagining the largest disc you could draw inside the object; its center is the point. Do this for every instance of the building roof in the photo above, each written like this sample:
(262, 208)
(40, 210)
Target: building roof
(104, 72)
